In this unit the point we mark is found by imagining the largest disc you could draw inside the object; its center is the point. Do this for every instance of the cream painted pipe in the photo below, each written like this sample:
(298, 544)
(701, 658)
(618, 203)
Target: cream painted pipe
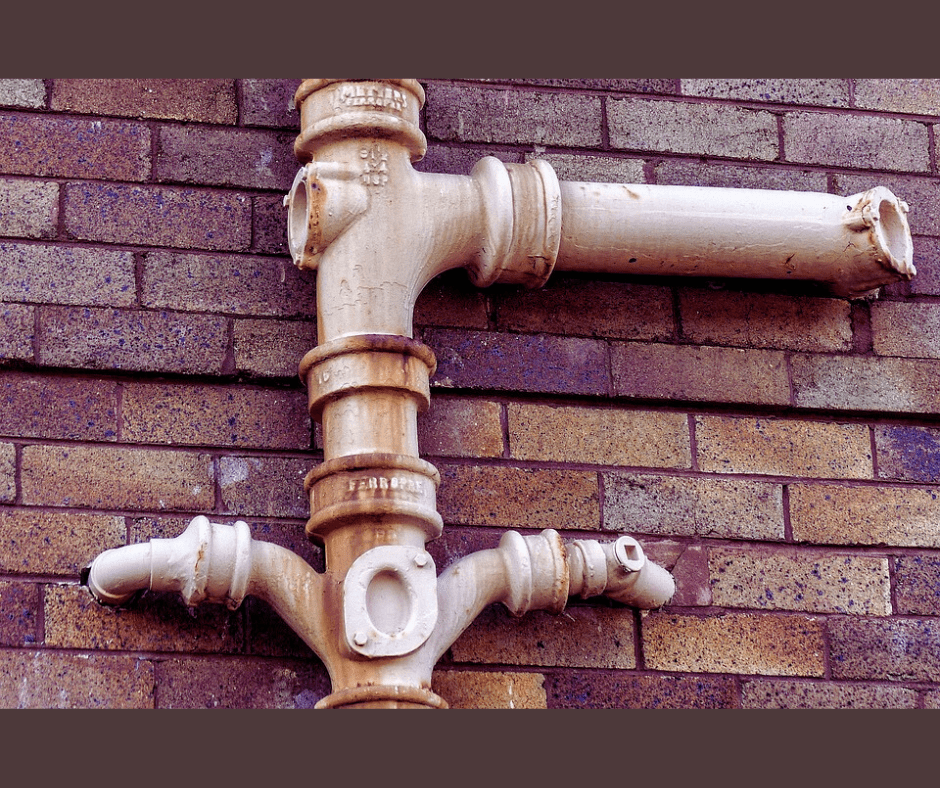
(855, 244)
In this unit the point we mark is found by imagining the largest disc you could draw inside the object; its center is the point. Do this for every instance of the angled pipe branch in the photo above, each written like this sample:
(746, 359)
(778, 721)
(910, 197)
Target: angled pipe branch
(377, 231)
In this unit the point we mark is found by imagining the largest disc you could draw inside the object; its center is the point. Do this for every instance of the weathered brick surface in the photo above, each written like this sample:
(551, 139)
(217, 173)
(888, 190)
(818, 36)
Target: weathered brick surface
(48, 680)
(908, 453)
(232, 284)
(894, 649)
(893, 385)
(112, 477)
(737, 643)
(932, 699)
(804, 580)
(780, 694)
(269, 634)
(825, 92)
(684, 506)
(464, 689)
(927, 260)
(62, 147)
(621, 85)
(765, 320)
(461, 428)
(155, 622)
(133, 340)
(688, 172)
(861, 142)
(51, 406)
(238, 684)
(917, 585)
(55, 543)
(19, 614)
(46, 273)
(783, 447)
(269, 225)
(461, 160)
(588, 307)
(907, 330)
(709, 374)
(270, 102)
(606, 436)
(17, 323)
(921, 194)
(203, 100)
(516, 362)
(7, 472)
(215, 416)
(914, 96)
(30, 93)
(272, 348)
(831, 514)
(645, 691)
(585, 637)
(264, 486)
(469, 113)
(450, 300)
(593, 169)
(28, 208)
(685, 127)
(183, 218)
(225, 157)
(518, 497)
(688, 564)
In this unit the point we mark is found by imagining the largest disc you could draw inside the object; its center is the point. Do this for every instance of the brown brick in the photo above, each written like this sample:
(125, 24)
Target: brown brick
(914, 96)
(619, 690)
(154, 622)
(269, 225)
(592, 169)
(272, 348)
(132, 340)
(450, 300)
(47, 680)
(831, 514)
(215, 416)
(16, 332)
(584, 637)
(779, 694)
(29, 93)
(270, 635)
(111, 477)
(927, 260)
(233, 284)
(907, 330)
(19, 614)
(917, 585)
(803, 580)
(29, 209)
(264, 486)
(740, 643)
(692, 506)
(710, 374)
(908, 453)
(46, 273)
(62, 147)
(693, 172)
(880, 649)
(783, 447)
(225, 157)
(457, 542)
(859, 142)
(589, 308)
(825, 92)
(481, 114)
(238, 684)
(686, 127)
(922, 194)
(464, 689)
(688, 564)
(47, 406)
(518, 497)
(7, 472)
(461, 428)
(766, 320)
(55, 543)
(894, 385)
(158, 216)
(204, 100)
(605, 436)
(270, 102)
(517, 362)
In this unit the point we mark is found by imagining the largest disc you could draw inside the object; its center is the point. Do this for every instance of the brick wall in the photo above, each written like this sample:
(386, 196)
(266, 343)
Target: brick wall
(777, 449)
